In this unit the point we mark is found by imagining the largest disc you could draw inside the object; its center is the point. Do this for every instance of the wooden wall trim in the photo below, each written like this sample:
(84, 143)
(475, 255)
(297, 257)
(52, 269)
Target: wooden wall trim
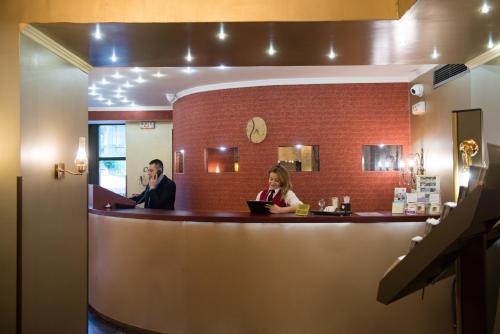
(149, 115)
(19, 255)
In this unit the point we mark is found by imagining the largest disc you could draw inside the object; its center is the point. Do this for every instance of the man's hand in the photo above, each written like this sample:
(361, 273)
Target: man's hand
(152, 181)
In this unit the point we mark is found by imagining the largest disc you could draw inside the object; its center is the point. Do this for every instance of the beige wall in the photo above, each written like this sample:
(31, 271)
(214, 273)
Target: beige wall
(433, 130)
(142, 147)
(54, 237)
(9, 165)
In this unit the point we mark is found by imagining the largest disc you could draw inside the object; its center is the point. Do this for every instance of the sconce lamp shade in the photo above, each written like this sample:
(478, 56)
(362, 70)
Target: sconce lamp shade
(81, 156)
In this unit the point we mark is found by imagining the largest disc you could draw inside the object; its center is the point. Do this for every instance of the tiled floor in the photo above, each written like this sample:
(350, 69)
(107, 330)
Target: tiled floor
(99, 326)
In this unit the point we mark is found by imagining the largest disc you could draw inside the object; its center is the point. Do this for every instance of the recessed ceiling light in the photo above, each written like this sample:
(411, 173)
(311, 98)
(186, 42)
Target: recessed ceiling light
(104, 81)
(188, 70)
(117, 75)
(93, 87)
(100, 98)
(435, 54)
(271, 50)
(140, 79)
(113, 56)
(137, 70)
(158, 74)
(381, 145)
(119, 90)
(97, 33)
(109, 103)
(128, 85)
(125, 100)
(222, 67)
(485, 8)
(221, 34)
(118, 96)
(189, 56)
(331, 54)
(132, 104)
(93, 93)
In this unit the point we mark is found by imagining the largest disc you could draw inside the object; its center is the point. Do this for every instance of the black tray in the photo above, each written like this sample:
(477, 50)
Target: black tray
(329, 213)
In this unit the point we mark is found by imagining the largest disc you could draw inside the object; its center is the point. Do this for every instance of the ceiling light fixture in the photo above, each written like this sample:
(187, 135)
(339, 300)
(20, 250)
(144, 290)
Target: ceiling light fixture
(189, 56)
(119, 90)
(137, 70)
(485, 8)
(125, 100)
(435, 54)
(271, 50)
(100, 98)
(221, 34)
(93, 93)
(188, 70)
(104, 81)
(109, 103)
(113, 56)
(331, 54)
(132, 104)
(93, 87)
(117, 75)
(97, 33)
(128, 85)
(118, 96)
(158, 74)
(222, 67)
(140, 79)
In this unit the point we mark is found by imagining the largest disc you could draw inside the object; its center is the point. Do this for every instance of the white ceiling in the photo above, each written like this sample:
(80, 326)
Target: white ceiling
(151, 94)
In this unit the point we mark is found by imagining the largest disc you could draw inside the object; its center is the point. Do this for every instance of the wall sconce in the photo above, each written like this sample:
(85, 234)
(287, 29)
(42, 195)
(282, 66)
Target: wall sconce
(80, 162)
(408, 171)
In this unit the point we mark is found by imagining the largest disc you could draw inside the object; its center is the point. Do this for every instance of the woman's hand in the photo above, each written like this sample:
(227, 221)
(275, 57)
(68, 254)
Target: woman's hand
(274, 208)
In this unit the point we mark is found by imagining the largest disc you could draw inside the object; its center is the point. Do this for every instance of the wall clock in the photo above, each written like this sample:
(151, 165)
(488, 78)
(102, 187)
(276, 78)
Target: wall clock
(256, 130)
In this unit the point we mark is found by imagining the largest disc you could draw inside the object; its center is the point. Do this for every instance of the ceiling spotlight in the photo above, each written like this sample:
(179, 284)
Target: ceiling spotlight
(128, 85)
(118, 95)
(125, 100)
(221, 34)
(117, 75)
(188, 70)
(104, 81)
(137, 70)
(331, 54)
(93, 87)
(139, 79)
(119, 90)
(132, 104)
(97, 33)
(485, 8)
(113, 56)
(271, 50)
(158, 74)
(435, 54)
(109, 103)
(189, 56)
(93, 93)
(100, 98)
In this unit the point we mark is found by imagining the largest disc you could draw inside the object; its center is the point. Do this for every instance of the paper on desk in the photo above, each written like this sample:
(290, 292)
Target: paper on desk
(369, 214)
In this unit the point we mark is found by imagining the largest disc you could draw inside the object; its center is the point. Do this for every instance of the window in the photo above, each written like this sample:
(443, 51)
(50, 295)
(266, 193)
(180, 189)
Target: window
(299, 158)
(112, 159)
(220, 160)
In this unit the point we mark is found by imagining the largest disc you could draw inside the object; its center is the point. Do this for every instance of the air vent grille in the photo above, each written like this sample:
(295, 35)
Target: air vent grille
(448, 72)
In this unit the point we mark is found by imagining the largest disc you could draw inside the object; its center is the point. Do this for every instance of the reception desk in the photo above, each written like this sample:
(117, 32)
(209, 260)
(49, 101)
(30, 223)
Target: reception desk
(182, 272)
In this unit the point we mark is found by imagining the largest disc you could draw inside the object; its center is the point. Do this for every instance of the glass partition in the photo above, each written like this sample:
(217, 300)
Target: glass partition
(299, 158)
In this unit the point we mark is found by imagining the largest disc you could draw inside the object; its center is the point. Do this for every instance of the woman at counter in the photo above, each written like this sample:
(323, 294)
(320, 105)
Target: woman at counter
(279, 191)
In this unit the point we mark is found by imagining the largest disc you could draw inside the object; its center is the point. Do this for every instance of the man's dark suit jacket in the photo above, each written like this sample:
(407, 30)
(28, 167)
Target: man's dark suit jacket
(161, 197)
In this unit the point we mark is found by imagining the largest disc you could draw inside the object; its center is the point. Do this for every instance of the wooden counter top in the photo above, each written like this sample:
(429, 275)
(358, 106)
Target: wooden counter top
(247, 217)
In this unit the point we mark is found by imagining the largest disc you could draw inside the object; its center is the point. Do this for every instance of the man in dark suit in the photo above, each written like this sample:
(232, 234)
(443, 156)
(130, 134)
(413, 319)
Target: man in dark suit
(160, 192)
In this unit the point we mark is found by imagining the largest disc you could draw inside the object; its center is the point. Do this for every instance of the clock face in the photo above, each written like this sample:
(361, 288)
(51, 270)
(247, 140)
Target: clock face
(256, 130)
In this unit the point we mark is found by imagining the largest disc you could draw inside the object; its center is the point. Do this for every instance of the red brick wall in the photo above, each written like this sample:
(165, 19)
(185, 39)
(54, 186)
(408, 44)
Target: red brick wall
(338, 118)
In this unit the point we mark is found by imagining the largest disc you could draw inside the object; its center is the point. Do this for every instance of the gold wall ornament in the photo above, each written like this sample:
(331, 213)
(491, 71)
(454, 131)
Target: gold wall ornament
(469, 148)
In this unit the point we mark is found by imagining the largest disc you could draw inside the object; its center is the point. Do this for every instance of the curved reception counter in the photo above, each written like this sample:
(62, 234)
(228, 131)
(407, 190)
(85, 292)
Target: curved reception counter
(182, 272)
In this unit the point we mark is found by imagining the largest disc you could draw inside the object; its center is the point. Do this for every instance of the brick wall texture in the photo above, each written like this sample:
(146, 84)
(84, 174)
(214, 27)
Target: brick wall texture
(340, 118)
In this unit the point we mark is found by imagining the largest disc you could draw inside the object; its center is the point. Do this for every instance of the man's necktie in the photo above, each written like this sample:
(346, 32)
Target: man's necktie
(270, 196)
